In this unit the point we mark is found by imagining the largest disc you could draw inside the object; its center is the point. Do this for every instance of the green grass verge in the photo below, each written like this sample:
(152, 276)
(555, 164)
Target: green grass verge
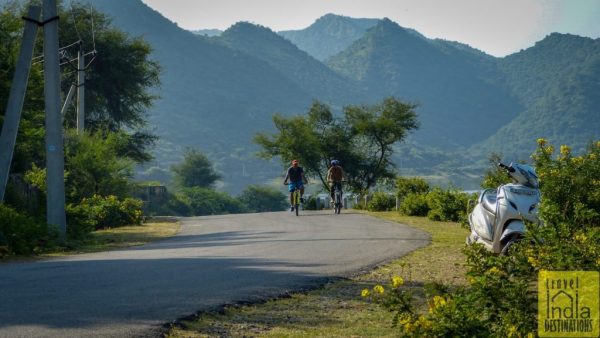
(111, 239)
(337, 310)
(121, 237)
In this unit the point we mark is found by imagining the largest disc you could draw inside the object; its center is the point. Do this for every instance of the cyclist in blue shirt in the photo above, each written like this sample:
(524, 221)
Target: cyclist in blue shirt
(296, 178)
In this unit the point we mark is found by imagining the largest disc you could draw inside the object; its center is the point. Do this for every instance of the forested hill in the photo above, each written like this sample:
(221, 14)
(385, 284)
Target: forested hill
(212, 97)
(310, 74)
(557, 82)
(461, 100)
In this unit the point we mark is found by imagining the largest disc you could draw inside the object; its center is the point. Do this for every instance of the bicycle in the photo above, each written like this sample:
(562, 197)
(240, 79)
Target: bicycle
(296, 200)
(337, 195)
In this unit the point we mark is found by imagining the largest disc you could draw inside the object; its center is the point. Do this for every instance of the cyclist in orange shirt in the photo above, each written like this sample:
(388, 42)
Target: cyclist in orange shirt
(296, 178)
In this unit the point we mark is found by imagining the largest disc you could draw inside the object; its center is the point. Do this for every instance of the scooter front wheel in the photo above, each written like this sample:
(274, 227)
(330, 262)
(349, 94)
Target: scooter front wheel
(509, 246)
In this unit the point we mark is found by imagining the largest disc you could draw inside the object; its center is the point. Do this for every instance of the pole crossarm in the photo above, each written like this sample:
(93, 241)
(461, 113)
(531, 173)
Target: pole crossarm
(40, 23)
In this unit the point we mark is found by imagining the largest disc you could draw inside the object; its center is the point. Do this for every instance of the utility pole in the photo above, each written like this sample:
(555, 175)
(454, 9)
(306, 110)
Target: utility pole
(54, 138)
(12, 116)
(80, 90)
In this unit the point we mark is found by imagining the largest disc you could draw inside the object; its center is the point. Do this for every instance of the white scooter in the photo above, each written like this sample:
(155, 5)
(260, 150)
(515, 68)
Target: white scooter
(497, 221)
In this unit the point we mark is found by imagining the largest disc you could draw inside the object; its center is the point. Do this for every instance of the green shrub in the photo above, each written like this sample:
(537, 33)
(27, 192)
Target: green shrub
(500, 300)
(414, 204)
(259, 199)
(380, 201)
(22, 235)
(447, 205)
(100, 212)
(408, 185)
(173, 204)
(93, 166)
(309, 204)
(205, 201)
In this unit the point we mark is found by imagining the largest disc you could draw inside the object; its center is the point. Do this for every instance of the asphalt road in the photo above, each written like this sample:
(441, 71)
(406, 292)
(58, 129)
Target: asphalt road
(214, 260)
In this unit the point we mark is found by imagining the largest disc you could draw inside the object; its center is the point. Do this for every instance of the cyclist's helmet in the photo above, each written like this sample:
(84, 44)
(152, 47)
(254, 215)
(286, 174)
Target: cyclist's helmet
(294, 162)
(335, 162)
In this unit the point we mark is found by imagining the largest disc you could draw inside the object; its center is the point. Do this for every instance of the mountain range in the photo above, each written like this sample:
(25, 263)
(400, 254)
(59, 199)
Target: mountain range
(221, 88)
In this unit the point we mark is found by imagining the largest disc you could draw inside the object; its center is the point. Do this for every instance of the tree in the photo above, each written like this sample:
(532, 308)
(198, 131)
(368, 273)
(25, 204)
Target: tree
(362, 140)
(94, 168)
(117, 81)
(374, 130)
(195, 171)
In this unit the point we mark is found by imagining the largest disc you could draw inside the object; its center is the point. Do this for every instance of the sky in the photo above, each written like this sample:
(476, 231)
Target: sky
(497, 27)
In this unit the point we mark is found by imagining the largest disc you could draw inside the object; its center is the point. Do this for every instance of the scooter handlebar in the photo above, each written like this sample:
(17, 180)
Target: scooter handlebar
(504, 166)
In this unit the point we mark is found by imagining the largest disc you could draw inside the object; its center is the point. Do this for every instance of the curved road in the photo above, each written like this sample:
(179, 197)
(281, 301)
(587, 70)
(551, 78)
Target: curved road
(214, 260)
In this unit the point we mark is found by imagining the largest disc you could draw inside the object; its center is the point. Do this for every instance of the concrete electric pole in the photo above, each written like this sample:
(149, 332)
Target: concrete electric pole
(12, 115)
(54, 137)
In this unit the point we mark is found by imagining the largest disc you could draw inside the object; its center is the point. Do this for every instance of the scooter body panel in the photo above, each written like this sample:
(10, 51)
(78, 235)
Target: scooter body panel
(482, 222)
(514, 203)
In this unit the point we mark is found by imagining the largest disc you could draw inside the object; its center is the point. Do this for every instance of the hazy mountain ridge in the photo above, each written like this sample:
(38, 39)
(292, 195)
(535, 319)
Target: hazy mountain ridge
(208, 32)
(329, 35)
(218, 92)
(313, 76)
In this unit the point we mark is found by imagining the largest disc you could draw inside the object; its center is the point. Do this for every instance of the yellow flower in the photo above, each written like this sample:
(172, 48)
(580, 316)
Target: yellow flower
(533, 261)
(423, 322)
(438, 302)
(404, 319)
(397, 281)
(378, 288)
(494, 271)
(365, 293)
(541, 142)
(512, 331)
(581, 238)
(565, 150)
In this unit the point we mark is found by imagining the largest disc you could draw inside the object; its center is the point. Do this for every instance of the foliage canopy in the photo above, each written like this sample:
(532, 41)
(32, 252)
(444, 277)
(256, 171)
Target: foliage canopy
(362, 140)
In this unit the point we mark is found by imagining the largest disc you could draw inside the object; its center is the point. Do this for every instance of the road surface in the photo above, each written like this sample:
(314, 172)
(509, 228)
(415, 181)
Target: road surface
(214, 260)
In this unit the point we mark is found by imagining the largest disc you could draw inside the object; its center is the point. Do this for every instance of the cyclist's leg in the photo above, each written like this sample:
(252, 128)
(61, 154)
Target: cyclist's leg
(291, 188)
(301, 186)
(332, 191)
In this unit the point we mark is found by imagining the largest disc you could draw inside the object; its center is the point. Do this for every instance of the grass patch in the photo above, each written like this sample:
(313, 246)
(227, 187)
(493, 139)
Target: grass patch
(122, 237)
(111, 239)
(337, 310)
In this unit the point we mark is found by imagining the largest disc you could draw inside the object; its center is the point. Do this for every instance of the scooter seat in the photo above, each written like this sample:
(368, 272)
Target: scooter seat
(488, 200)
